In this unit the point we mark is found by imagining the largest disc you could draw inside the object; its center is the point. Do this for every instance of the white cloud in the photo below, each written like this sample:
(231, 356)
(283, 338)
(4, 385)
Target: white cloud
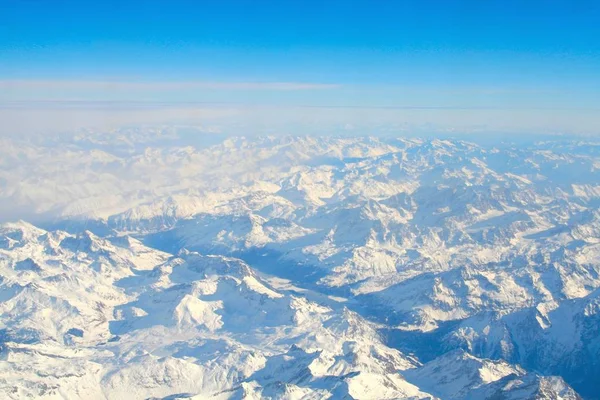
(39, 119)
(244, 119)
(60, 85)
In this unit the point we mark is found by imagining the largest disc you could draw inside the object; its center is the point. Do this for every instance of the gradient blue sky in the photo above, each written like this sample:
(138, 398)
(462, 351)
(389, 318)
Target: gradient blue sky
(535, 62)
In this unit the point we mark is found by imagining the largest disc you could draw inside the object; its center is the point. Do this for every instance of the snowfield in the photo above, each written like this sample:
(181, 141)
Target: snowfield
(153, 266)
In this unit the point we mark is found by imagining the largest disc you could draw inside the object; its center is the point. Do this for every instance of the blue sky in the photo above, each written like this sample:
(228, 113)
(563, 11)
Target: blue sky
(498, 59)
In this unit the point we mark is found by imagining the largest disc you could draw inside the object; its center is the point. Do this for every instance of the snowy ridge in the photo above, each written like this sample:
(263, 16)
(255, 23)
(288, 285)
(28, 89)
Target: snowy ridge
(93, 318)
(351, 263)
(105, 322)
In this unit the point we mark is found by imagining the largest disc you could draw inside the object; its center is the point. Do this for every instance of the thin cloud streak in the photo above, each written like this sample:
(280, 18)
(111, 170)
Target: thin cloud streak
(249, 120)
(112, 104)
(17, 85)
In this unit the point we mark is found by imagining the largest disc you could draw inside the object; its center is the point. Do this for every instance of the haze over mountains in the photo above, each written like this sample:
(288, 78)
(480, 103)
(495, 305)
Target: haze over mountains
(298, 267)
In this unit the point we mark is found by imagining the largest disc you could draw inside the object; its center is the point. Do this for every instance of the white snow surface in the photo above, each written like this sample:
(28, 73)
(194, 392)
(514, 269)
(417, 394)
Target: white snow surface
(298, 268)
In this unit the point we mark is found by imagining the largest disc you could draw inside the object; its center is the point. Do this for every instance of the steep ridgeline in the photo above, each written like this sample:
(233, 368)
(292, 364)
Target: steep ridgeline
(86, 317)
(443, 248)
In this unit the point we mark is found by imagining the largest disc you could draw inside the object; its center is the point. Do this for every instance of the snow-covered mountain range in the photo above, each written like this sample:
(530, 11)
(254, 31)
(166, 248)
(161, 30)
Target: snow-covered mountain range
(298, 268)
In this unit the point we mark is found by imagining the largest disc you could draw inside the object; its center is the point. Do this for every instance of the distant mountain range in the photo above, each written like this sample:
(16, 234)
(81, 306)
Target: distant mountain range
(298, 268)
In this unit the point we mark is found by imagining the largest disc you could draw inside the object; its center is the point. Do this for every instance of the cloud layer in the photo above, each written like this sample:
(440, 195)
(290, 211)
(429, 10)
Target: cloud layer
(245, 108)
(17, 86)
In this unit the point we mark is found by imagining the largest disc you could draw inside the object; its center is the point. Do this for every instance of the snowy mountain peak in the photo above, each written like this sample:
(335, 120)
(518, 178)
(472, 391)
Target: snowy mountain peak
(299, 267)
